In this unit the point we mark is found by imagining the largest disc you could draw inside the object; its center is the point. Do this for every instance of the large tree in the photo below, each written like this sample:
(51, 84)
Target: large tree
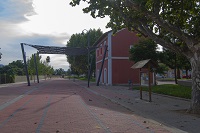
(172, 24)
(80, 63)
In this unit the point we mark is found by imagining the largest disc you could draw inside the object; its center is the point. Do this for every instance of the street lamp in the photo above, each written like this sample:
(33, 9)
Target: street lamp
(88, 41)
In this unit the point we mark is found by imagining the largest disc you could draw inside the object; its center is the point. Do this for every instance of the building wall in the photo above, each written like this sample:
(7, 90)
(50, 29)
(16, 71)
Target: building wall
(121, 66)
(122, 72)
(99, 58)
(117, 64)
(101, 49)
(121, 43)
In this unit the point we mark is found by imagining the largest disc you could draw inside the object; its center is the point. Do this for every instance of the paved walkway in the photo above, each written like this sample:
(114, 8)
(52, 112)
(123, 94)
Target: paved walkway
(65, 106)
(166, 110)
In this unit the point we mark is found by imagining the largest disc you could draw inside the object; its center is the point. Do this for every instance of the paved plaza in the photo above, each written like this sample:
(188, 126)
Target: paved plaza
(65, 106)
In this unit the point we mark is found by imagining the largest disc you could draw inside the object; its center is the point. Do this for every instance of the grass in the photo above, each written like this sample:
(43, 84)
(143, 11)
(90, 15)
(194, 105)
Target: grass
(169, 89)
(85, 78)
(166, 79)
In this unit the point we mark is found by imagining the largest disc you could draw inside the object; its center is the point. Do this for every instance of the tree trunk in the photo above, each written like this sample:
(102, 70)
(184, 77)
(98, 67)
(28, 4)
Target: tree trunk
(186, 74)
(178, 74)
(175, 74)
(195, 97)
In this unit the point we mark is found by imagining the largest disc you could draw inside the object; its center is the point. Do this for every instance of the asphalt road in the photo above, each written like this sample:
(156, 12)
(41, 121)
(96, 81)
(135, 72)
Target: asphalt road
(64, 106)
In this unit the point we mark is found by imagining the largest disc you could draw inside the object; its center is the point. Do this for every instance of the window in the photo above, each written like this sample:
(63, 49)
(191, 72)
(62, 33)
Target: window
(131, 46)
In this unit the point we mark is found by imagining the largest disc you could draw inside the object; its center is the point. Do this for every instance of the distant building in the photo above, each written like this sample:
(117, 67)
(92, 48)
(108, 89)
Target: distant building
(117, 66)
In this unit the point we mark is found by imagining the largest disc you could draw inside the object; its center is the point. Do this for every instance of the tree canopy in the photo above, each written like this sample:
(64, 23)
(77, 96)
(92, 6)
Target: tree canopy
(145, 49)
(13, 68)
(79, 64)
(43, 67)
(169, 23)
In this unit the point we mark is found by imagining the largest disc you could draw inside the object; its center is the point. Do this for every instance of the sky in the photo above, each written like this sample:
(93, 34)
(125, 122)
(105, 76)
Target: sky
(41, 22)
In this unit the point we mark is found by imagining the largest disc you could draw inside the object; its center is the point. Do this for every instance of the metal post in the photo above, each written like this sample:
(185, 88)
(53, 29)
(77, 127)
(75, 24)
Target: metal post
(140, 84)
(90, 70)
(104, 56)
(5, 78)
(25, 65)
(149, 82)
(88, 39)
(36, 69)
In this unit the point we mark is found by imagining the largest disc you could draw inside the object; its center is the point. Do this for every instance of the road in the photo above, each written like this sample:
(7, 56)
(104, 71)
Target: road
(64, 106)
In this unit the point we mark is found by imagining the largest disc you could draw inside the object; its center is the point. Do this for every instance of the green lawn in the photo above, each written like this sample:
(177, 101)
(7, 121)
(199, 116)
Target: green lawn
(169, 89)
(85, 78)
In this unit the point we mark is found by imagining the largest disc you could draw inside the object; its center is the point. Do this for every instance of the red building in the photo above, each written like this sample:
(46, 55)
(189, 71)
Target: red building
(117, 66)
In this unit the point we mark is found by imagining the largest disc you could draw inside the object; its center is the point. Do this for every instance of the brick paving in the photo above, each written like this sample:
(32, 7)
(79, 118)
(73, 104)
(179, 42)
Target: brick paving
(64, 106)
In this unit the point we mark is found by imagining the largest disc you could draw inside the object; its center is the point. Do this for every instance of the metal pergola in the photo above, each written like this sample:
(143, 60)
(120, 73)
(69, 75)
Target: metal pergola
(55, 50)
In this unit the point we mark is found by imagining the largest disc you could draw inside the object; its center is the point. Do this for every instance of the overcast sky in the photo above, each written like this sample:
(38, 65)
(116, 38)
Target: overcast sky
(41, 22)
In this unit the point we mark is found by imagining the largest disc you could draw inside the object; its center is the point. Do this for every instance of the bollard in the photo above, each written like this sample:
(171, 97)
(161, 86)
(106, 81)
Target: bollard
(130, 83)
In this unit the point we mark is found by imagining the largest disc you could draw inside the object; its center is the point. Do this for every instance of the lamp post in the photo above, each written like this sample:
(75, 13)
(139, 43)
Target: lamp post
(88, 43)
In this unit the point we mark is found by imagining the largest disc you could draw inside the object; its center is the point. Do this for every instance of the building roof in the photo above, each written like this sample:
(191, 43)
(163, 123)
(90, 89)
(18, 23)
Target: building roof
(101, 37)
(144, 64)
(104, 35)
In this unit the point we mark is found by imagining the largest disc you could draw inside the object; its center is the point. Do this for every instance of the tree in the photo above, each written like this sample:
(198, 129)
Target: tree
(169, 58)
(42, 67)
(145, 49)
(59, 71)
(13, 68)
(174, 61)
(79, 64)
(183, 63)
(172, 24)
(18, 67)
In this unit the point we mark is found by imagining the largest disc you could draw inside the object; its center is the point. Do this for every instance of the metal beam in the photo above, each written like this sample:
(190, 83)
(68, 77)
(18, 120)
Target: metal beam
(36, 68)
(104, 56)
(25, 65)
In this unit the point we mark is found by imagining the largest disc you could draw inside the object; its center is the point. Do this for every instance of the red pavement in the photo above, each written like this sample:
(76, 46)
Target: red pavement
(63, 106)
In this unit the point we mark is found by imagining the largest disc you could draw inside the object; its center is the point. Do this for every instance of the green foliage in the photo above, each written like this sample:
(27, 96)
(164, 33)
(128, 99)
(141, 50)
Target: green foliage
(145, 49)
(5, 78)
(169, 89)
(162, 68)
(13, 68)
(59, 71)
(172, 24)
(43, 67)
(79, 64)
(168, 57)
